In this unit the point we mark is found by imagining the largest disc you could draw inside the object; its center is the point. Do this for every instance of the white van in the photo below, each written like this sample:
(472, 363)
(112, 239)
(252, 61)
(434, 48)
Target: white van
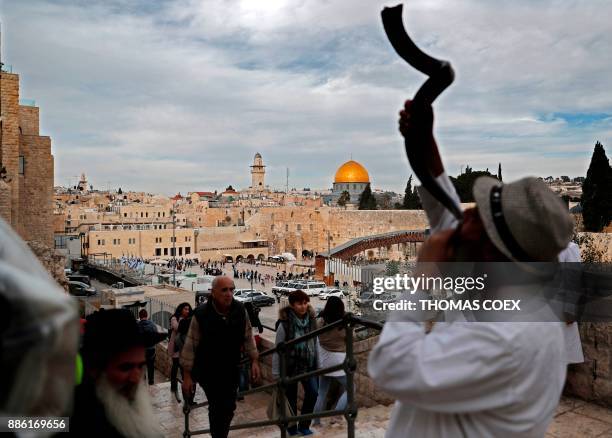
(314, 288)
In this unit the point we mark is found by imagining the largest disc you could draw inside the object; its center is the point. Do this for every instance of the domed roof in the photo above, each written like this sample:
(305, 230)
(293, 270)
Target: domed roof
(352, 172)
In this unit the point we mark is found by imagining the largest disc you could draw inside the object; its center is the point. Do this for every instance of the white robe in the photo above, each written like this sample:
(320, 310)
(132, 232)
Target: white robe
(441, 219)
(470, 379)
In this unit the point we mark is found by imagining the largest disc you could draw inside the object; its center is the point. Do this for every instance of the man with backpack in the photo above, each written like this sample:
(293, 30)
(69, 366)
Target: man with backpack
(152, 337)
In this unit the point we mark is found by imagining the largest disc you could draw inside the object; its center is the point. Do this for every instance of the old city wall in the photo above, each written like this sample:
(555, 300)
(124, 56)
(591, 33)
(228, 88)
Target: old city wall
(294, 229)
(9, 147)
(222, 237)
(36, 189)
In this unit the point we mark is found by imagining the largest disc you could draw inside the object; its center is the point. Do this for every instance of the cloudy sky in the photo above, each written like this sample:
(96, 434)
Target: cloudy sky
(178, 95)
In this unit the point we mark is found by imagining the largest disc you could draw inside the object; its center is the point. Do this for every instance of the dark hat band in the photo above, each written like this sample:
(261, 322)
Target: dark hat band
(502, 227)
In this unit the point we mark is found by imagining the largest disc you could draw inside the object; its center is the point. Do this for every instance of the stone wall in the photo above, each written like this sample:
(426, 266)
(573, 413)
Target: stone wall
(9, 147)
(293, 229)
(36, 189)
(592, 380)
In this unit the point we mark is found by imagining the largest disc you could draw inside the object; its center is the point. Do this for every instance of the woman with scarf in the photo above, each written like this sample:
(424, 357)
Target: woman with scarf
(296, 320)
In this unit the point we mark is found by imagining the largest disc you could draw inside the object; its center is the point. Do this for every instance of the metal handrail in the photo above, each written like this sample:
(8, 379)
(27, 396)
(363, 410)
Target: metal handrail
(349, 366)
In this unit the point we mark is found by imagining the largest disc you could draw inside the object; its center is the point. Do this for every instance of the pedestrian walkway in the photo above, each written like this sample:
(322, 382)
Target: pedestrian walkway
(574, 418)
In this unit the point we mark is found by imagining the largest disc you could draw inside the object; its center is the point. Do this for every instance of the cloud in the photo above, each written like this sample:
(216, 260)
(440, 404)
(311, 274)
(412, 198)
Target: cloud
(168, 96)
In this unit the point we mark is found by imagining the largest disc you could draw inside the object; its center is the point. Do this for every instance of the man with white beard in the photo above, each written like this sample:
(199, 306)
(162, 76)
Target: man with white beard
(113, 400)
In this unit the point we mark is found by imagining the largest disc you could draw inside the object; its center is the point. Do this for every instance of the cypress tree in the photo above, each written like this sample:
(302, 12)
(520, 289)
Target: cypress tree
(597, 192)
(367, 200)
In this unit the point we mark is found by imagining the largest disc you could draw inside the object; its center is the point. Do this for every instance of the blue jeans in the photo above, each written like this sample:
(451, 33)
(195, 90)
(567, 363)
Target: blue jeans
(310, 397)
(324, 382)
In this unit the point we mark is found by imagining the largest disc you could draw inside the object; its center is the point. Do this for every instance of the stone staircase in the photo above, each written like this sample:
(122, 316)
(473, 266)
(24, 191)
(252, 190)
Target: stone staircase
(574, 418)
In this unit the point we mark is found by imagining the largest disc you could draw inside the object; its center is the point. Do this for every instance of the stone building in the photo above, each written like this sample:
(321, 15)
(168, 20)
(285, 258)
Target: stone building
(26, 163)
(147, 244)
(351, 177)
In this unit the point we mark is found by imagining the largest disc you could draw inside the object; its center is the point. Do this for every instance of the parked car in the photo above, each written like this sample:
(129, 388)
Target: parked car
(313, 288)
(279, 287)
(80, 277)
(80, 289)
(331, 293)
(286, 288)
(256, 297)
(242, 292)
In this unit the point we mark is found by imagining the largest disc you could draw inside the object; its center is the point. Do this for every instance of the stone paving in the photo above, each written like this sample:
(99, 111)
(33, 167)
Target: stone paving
(574, 418)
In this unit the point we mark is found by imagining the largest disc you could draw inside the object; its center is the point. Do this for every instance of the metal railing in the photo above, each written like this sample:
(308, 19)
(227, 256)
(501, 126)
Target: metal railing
(349, 366)
(120, 269)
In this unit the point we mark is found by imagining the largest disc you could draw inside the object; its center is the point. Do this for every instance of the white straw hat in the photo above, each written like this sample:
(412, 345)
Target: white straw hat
(524, 219)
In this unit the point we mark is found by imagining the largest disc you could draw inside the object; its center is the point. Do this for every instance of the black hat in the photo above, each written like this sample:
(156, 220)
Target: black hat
(108, 332)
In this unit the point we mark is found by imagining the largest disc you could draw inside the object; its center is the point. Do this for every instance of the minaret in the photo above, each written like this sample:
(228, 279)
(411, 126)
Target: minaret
(258, 172)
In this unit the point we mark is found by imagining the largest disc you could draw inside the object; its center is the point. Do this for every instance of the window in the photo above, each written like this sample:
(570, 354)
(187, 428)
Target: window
(158, 214)
(180, 250)
(157, 251)
(164, 214)
(147, 214)
(172, 252)
(186, 239)
(141, 215)
(187, 250)
(286, 227)
(124, 214)
(21, 165)
(165, 251)
(299, 227)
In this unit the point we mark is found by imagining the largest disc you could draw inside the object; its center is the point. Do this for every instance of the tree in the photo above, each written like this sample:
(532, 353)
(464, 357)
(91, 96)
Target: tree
(499, 174)
(465, 182)
(367, 201)
(345, 197)
(411, 197)
(597, 192)
(384, 200)
(119, 192)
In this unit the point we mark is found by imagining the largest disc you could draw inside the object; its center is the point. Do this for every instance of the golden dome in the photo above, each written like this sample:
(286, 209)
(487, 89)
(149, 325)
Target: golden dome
(352, 172)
